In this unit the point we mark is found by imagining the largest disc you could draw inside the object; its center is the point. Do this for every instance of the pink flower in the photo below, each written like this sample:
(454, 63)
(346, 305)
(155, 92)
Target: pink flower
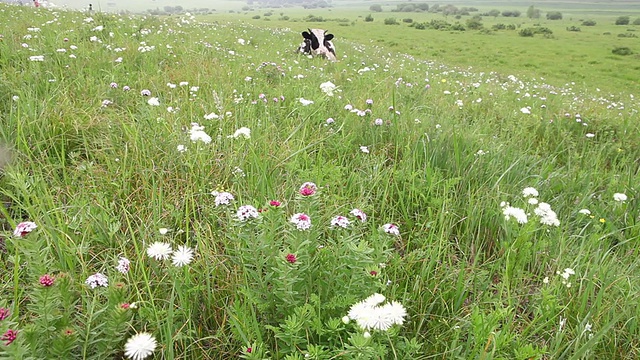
(4, 313)
(24, 228)
(46, 280)
(359, 214)
(145, 92)
(291, 258)
(9, 336)
(123, 265)
(340, 221)
(249, 350)
(301, 220)
(308, 189)
(275, 203)
(391, 229)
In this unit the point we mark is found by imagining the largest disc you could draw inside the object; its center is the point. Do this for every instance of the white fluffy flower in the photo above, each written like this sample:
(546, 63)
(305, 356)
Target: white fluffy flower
(305, 102)
(244, 132)
(140, 346)
(154, 101)
(369, 314)
(182, 256)
(529, 191)
(517, 213)
(197, 134)
(159, 250)
(328, 88)
(619, 197)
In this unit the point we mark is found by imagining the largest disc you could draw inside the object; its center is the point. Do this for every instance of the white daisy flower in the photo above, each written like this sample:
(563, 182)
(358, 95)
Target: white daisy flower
(140, 346)
(159, 250)
(182, 256)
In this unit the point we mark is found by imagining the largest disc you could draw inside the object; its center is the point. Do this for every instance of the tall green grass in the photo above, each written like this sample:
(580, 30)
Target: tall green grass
(100, 179)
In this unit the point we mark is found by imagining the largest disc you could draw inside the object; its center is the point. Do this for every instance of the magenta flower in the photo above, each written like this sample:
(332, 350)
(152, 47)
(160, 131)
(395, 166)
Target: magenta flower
(275, 203)
(9, 336)
(24, 228)
(4, 313)
(46, 280)
(308, 189)
(291, 258)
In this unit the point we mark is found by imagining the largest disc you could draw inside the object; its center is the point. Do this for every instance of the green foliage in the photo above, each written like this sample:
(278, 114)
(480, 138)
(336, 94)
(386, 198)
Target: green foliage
(314, 18)
(533, 13)
(368, 18)
(475, 23)
(407, 20)
(391, 21)
(256, 17)
(589, 23)
(573, 28)
(622, 50)
(375, 8)
(622, 20)
(510, 13)
(554, 15)
(527, 32)
(636, 22)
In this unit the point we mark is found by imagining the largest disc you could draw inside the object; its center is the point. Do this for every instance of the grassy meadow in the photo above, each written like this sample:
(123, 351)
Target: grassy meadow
(191, 188)
(585, 56)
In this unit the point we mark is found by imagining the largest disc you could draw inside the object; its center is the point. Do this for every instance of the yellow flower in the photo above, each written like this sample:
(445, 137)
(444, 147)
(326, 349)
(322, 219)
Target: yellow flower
(443, 80)
(602, 220)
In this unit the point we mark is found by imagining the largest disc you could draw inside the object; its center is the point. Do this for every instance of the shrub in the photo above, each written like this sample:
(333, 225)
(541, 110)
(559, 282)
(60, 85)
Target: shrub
(375, 8)
(458, 27)
(622, 20)
(636, 22)
(511, 27)
(627, 35)
(554, 15)
(542, 30)
(528, 32)
(313, 18)
(474, 23)
(573, 28)
(589, 23)
(493, 13)
(391, 21)
(256, 17)
(268, 13)
(419, 26)
(508, 13)
(408, 21)
(499, 27)
(368, 18)
(622, 51)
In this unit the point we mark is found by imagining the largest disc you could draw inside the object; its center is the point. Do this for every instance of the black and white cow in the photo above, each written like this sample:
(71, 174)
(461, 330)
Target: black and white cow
(318, 43)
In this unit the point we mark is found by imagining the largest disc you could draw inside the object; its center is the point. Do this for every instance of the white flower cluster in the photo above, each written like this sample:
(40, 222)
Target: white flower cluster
(222, 198)
(246, 212)
(542, 210)
(369, 314)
